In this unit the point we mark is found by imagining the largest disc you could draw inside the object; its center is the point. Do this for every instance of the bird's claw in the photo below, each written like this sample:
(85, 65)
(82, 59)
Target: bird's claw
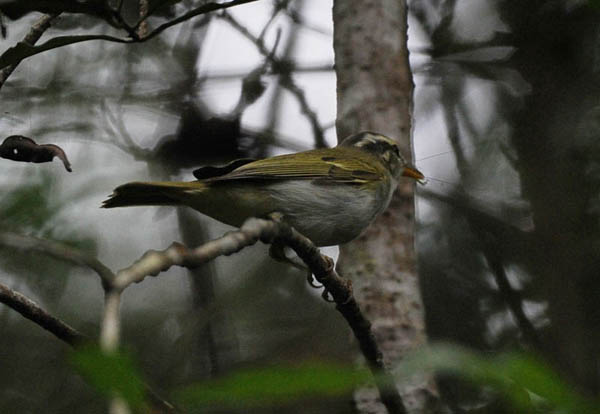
(310, 278)
(327, 296)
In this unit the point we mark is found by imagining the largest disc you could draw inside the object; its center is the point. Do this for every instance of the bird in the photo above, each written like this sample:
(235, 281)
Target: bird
(329, 195)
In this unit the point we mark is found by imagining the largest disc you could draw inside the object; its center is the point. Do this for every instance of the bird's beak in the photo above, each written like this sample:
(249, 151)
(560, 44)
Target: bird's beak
(412, 172)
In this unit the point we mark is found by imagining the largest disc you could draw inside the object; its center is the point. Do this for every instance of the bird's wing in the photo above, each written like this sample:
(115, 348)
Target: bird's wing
(210, 171)
(322, 165)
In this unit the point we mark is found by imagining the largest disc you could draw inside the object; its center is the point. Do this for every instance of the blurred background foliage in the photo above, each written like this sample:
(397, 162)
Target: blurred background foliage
(507, 128)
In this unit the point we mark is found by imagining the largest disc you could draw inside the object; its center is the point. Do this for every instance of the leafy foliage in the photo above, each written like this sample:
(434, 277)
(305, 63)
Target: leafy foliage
(525, 381)
(273, 386)
(110, 374)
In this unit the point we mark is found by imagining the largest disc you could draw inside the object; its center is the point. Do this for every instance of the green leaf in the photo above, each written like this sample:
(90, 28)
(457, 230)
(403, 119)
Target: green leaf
(273, 386)
(112, 374)
(523, 379)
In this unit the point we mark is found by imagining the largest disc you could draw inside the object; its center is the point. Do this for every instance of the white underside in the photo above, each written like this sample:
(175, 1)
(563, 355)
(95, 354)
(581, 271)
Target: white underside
(329, 214)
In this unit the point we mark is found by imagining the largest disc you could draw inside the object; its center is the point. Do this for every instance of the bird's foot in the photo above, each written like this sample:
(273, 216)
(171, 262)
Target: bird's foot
(277, 252)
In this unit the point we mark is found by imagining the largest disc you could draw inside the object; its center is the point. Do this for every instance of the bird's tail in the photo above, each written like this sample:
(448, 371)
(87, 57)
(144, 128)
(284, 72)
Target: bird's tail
(166, 193)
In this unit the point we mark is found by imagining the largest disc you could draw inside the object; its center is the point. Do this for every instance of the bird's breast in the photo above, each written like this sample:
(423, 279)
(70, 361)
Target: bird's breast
(329, 214)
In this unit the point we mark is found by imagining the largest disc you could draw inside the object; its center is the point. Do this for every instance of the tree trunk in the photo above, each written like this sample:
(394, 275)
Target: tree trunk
(374, 92)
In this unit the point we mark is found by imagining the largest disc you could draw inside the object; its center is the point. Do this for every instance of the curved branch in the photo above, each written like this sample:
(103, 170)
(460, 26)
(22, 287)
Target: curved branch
(23, 50)
(57, 251)
(154, 262)
(32, 311)
(205, 8)
(15, 54)
(34, 34)
(275, 231)
(284, 69)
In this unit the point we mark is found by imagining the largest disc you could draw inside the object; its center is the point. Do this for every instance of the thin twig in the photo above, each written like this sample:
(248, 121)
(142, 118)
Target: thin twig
(56, 250)
(205, 8)
(120, 132)
(60, 41)
(277, 7)
(34, 34)
(297, 19)
(340, 290)
(32, 311)
(275, 103)
(60, 329)
(482, 223)
(153, 262)
(252, 86)
(286, 79)
(511, 296)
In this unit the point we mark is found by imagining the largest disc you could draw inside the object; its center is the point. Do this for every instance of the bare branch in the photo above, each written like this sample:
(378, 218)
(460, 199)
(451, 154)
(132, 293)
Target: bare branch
(34, 34)
(277, 8)
(321, 266)
(32, 311)
(110, 329)
(56, 250)
(252, 84)
(340, 290)
(226, 75)
(154, 262)
(205, 8)
(122, 139)
(109, 340)
(284, 69)
(484, 224)
(24, 50)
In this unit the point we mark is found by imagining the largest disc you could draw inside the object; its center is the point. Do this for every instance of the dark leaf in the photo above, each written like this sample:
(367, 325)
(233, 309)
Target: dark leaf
(253, 87)
(20, 148)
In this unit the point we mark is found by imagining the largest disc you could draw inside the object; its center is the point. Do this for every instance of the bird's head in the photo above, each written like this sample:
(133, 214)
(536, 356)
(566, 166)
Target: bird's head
(386, 150)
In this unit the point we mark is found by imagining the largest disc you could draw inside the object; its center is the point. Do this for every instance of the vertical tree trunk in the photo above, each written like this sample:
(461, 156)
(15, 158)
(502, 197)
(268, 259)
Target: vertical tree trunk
(374, 92)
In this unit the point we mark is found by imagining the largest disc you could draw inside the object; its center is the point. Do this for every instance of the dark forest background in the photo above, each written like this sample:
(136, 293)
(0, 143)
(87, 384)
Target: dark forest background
(507, 129)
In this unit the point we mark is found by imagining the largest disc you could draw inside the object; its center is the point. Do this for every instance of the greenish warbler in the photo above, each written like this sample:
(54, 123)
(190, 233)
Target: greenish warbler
(330, 195)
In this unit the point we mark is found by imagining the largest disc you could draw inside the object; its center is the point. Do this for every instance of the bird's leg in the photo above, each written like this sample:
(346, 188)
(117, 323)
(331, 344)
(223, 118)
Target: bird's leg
(277, 252)
(325, 295)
